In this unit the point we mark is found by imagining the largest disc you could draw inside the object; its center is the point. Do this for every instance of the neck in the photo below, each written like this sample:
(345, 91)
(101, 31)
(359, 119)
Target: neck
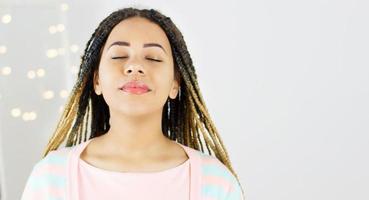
(135, 134)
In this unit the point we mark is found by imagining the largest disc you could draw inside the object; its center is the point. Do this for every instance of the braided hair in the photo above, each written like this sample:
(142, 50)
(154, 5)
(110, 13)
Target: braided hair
(185, 119)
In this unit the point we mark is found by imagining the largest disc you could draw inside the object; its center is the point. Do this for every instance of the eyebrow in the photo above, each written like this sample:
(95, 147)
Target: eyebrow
(123, 43)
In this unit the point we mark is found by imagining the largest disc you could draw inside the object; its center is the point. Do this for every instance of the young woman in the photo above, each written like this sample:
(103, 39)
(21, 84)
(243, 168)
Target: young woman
(138, 99)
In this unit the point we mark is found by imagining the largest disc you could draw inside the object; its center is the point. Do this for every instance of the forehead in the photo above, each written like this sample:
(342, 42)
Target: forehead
(138, 30)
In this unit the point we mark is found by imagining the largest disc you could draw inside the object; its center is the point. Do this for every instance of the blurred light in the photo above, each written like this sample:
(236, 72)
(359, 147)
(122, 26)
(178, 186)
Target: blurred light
(31, 74)
(32, 115)
(74, 48)
(64, 7)
(6, 18)
(48, 94)
(63, 94)
(61, 108)
(6, 70)
(25, 116)
(60, 27)
(28, 116)
(40, 72)
(2, 49)
(52, 29)
(16, 112)
(61, 51)
(51, 53)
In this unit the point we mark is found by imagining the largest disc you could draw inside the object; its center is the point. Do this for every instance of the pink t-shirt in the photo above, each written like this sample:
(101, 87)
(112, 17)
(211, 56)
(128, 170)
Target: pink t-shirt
(63, 175)
(97, 183)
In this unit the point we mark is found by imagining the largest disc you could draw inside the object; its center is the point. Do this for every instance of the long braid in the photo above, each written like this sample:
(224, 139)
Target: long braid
(185, 119)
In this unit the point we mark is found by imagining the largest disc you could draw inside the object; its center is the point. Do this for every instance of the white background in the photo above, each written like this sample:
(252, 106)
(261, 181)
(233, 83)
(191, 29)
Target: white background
(286, 82)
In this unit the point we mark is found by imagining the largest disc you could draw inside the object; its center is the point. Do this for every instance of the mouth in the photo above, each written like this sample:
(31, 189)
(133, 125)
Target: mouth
(135, 87)
(134, 90)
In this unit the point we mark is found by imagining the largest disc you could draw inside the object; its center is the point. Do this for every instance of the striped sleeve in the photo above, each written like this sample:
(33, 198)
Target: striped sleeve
(218, 183)
(47, 179)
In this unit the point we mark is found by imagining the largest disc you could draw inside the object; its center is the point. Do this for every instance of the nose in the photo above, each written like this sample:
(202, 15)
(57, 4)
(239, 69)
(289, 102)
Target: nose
(134, 69)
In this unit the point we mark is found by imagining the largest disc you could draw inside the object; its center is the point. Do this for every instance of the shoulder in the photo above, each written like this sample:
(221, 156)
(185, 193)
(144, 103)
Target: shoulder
(53, 165)
(48, 176)
(218, 182)
(55, 157)
(54, 161)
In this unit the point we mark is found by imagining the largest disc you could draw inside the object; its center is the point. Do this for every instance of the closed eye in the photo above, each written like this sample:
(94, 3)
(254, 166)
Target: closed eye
(121, 57)
(154, 60)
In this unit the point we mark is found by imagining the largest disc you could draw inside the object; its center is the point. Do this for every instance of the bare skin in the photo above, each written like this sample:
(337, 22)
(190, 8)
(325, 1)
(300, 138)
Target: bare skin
(99, 154)
(135, 142)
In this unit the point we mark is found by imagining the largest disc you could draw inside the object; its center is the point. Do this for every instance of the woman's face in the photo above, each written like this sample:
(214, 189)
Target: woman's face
(136, 50)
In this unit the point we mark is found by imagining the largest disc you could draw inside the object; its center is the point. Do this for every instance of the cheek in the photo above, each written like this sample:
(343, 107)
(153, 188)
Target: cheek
(108, 78)
(164, 81)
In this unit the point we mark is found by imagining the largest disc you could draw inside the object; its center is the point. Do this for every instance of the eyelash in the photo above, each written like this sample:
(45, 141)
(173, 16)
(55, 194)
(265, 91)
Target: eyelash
(146, 58)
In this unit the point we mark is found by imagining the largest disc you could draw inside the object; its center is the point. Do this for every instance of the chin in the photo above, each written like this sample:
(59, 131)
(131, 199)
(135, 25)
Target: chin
(136, 110)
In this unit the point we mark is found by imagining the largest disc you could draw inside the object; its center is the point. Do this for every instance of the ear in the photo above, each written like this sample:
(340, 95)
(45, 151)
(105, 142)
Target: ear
(175, 90)
(96, 84)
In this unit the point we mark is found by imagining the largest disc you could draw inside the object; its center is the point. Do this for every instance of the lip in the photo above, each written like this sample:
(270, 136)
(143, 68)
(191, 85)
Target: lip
(135, 87)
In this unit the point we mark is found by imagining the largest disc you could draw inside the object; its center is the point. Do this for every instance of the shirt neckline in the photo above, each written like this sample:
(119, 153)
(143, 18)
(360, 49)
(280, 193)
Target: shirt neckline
(72, 190)
(166, 172)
